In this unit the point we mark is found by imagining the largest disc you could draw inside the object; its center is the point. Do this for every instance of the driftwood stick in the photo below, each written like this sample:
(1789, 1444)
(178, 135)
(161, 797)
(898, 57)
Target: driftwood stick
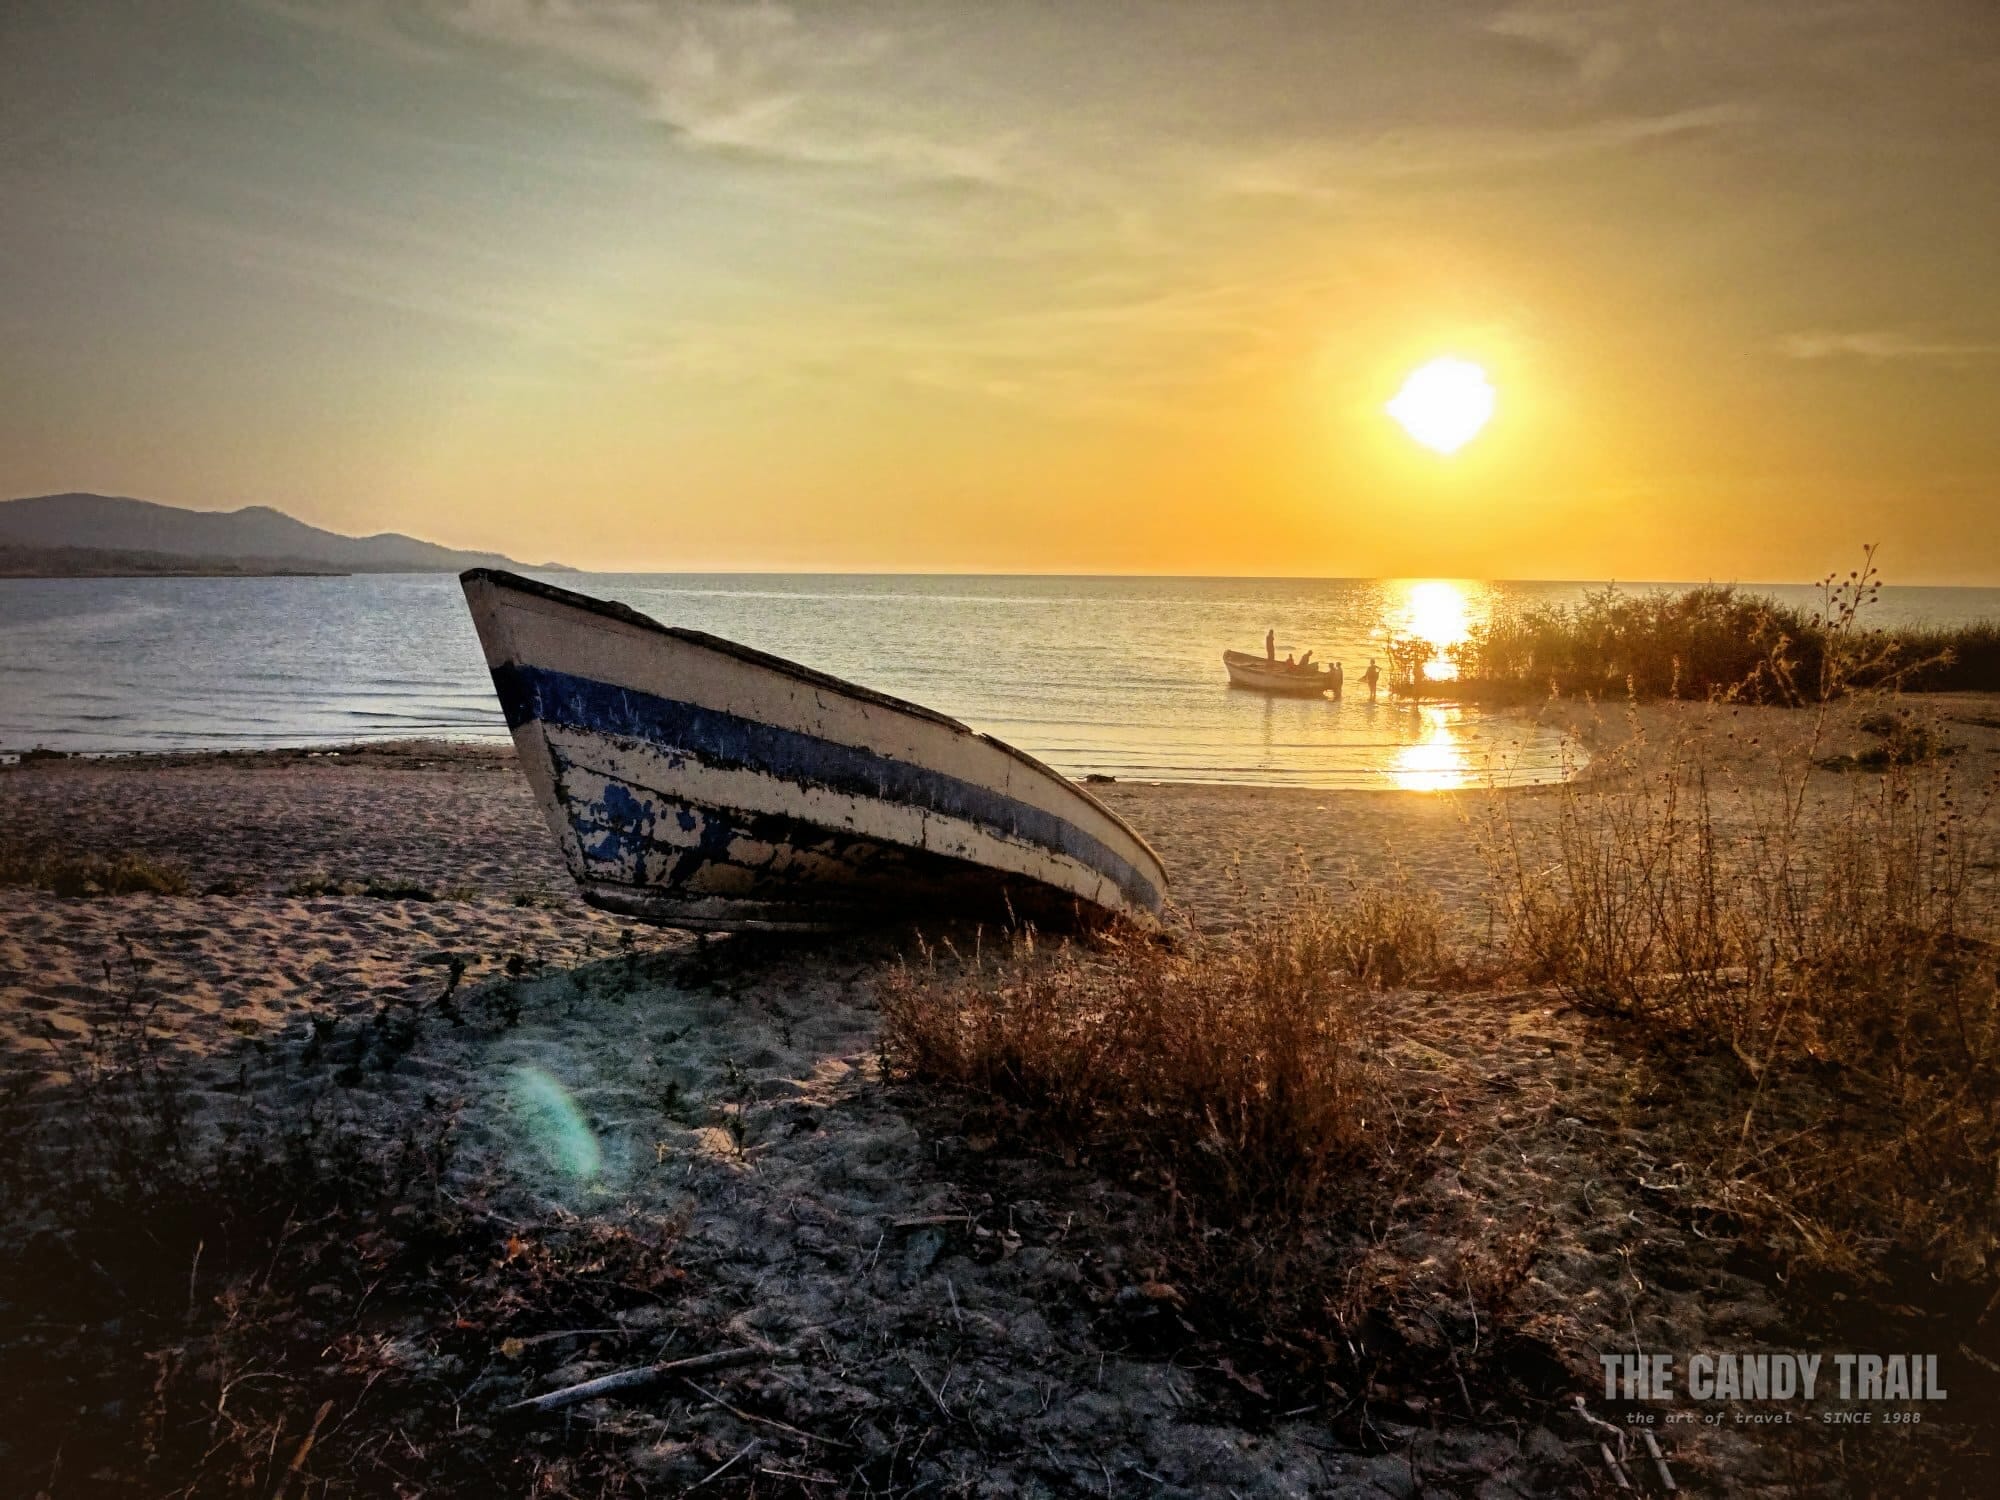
(1617, 1469)
(299, 1457)
(642, 1375)
(1659, 1460)
(751, 1416)
(728, 1464)
(569, 1333)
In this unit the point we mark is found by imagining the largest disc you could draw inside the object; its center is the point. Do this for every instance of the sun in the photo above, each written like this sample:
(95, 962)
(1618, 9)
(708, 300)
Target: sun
(1444, 404)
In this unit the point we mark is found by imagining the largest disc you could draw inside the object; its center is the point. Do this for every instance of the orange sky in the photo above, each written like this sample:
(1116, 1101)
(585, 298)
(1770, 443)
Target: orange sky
(1015, 287)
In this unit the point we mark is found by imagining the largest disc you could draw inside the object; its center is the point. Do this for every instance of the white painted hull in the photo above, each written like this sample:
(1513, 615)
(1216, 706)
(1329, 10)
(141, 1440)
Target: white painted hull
(697, 783)
(1275, 677)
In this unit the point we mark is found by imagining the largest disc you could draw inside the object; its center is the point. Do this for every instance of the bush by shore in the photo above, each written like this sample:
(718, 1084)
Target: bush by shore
(1702, 642)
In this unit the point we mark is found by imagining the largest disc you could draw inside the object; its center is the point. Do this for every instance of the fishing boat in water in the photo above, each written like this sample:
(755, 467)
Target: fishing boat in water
(698, 783)
(1269, 676)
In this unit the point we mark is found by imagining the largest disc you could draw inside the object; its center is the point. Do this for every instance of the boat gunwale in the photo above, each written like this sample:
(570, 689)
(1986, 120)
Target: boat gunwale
(1265, 664)
(624, 613)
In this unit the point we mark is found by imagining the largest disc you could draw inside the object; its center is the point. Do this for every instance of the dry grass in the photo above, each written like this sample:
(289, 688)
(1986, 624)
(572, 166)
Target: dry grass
(78, 875)
(1388, 934)
(1239, 1088)
(1239, 1073)
(1268, 1160)
(376, 887)
(1830, 937)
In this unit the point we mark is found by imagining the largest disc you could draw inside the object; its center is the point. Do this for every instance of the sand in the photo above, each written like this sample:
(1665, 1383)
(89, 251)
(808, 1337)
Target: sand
(460, 822)
(731, 1089)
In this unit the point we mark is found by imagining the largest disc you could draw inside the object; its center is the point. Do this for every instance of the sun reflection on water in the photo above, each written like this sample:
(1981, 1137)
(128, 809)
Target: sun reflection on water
(1442, 611)
(1441, 758)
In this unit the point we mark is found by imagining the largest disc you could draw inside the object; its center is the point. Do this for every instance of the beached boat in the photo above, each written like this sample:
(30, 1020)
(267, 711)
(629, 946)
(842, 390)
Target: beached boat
(1268, 676)
(698, 783)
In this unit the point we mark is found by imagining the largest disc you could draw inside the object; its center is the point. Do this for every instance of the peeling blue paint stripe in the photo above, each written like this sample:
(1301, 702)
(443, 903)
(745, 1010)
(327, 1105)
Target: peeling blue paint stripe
(530, 694)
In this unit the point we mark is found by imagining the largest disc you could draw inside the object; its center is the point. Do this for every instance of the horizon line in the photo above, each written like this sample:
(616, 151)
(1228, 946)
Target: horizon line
(1608, 581)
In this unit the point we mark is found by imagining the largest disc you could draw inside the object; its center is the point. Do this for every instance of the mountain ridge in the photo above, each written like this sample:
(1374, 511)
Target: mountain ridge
(252, 534)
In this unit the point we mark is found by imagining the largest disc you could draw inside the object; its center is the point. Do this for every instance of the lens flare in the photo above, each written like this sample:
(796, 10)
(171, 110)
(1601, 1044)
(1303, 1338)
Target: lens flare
(554, 1125)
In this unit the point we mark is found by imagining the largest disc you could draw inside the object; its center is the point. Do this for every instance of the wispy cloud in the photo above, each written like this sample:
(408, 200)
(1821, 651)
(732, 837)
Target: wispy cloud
(1334, 170)
(1147, 355)
(1884, 344)
(1586, 37)
(758, 80)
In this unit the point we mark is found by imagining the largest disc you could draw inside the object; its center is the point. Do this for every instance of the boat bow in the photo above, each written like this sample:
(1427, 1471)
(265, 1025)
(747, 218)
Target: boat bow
(698, 782)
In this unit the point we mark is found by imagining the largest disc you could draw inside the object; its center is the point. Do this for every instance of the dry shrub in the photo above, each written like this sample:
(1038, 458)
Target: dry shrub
(1248, 1140)
(119, 874)
(376, 887)
(1695, 642)
(1238, 1075)
(1388, 935)
(1833, 940)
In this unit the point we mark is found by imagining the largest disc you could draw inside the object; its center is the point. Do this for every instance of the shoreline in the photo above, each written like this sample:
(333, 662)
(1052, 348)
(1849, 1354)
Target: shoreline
(446, 748)
(302, 848)
(1590, 725)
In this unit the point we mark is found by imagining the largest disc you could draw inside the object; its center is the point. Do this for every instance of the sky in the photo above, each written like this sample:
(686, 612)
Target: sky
(1020, 285)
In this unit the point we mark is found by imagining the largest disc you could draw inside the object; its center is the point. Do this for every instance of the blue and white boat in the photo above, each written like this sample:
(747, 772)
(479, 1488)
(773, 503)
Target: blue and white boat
(698, 783)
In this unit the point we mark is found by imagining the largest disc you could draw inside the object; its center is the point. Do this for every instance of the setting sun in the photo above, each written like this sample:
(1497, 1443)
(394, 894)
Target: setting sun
(1444, 404)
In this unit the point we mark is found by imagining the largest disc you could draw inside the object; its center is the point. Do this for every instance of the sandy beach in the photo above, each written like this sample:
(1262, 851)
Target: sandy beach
(787, 1165)
(259, 834)
(933, 1307)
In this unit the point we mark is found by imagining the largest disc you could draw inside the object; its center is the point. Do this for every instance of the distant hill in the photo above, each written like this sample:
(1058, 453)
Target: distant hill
(51, 533)
(112, 562)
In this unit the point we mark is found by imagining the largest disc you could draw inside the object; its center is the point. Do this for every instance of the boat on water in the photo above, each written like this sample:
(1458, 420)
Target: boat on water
(698, 783)
(1268, 676)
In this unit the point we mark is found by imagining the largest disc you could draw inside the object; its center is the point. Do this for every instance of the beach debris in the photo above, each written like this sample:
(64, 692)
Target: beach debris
(1617, 1469)
(1659, 1460)
(750, 1416)
(305, 1448)
(1249, 1383)
(741, 1454)
(1612, 1461)
(640, 1376)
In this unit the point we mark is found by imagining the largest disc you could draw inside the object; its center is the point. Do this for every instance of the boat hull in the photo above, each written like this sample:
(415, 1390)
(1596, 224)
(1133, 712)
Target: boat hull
(1268, 677)
(697, 783)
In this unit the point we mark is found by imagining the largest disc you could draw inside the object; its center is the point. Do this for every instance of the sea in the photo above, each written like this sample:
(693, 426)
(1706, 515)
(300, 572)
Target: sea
(1116, 677)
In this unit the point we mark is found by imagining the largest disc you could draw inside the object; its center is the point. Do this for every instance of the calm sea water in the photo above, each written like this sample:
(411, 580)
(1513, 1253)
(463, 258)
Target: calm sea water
(1120, 676)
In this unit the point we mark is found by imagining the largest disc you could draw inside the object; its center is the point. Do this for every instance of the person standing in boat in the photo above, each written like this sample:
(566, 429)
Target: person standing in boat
(1271, 645)
(1338, 678)
(1372, 676)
